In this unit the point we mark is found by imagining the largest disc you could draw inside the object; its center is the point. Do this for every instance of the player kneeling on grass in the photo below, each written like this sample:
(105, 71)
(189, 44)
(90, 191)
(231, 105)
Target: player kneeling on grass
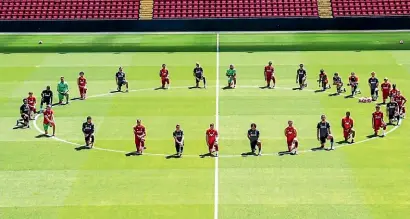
(199, 75)
(32, 101)
(386, 87)
(62, 89)
(139, 134)
(25, 115)
(291, 138)
(337, 81)
(82, 85)
(178, 135)
(401, 100)
(49, 120)
(324, 133)
(347, 126)
(164, 75)
(269, 73)
(374, 86)
(88, 131)
(231, 74)
(46, 97)
(354, 83)
(378, 122)
(253, 136)
(211, 137)
(392, 111)
(323, 80)
(301, 77)
(120, 79)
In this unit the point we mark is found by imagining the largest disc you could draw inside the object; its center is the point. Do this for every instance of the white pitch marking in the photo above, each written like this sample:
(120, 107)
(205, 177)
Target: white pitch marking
(191, 155)
(201, 32)
(216, 182)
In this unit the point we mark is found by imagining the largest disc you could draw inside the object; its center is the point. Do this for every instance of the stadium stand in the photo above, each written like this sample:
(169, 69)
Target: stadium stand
(348, 8)
(68, 9)
(165, 9)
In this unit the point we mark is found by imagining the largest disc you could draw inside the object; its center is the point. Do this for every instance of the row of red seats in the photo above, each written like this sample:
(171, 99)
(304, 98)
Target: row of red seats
(370, 0)
(67, 17)
(371, 4)
(19, 3)
(232, 1)
(237, 6)
(365, 13)
(249, 15)
(69, 8)
(206, 11)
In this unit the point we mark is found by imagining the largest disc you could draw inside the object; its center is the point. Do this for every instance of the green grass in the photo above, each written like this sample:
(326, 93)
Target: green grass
(45, 178)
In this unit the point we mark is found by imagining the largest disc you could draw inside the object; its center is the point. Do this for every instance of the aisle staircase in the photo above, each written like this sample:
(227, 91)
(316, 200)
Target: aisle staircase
(324, 8)
(146, 7)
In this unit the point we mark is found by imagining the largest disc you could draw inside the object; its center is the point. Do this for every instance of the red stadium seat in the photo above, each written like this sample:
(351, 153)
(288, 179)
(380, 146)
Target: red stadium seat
(68, 9)
(348, 8)
(163, 9)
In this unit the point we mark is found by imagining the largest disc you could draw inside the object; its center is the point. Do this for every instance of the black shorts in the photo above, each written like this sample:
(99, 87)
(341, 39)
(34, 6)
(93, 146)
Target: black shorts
(46, 101)
(121, 82)
(372, 91)
(253, 144)
(199, 77)
(393, 116)
(323, 139)
(24, 116)
(178, 147)
(301, 80)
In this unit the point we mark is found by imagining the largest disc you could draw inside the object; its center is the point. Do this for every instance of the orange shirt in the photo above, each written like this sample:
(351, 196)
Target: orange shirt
(354, 79)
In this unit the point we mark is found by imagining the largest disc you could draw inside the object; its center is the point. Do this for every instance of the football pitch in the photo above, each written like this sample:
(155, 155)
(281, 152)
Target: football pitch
(43, 177)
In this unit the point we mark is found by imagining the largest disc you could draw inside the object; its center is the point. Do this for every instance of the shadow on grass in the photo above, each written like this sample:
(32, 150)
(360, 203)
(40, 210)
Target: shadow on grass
(250, 153)
(206, 155)
(84, 147)
(43, 136)
(132, 153)
(173, 156)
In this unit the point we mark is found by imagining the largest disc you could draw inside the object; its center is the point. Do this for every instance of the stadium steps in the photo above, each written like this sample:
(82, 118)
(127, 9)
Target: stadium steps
(324, 8)
(146, 9)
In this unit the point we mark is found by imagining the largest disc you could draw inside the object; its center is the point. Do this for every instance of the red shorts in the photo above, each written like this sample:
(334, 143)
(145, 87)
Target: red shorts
(290, 141)
(139, 142)
(32, 107)
(82, 89)
(346, 133)
(211, 143)
(385, 95)
(165, 80)
(378, 125)
(269, 77)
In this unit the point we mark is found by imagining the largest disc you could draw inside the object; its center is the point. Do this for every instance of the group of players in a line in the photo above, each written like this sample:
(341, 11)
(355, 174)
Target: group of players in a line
(395, 108)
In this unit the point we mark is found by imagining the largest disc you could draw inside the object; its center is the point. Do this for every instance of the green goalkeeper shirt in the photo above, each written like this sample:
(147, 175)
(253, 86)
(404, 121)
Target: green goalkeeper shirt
(62, 87)
(231, 72)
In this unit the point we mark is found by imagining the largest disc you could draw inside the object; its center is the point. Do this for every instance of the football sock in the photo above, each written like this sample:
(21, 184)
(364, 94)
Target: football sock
(260, 148)
(92, 138)
(331, 142)
(216, 148)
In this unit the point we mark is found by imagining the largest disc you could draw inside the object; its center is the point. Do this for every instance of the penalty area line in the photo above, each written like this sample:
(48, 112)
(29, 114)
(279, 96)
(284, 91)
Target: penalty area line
(217, 108)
